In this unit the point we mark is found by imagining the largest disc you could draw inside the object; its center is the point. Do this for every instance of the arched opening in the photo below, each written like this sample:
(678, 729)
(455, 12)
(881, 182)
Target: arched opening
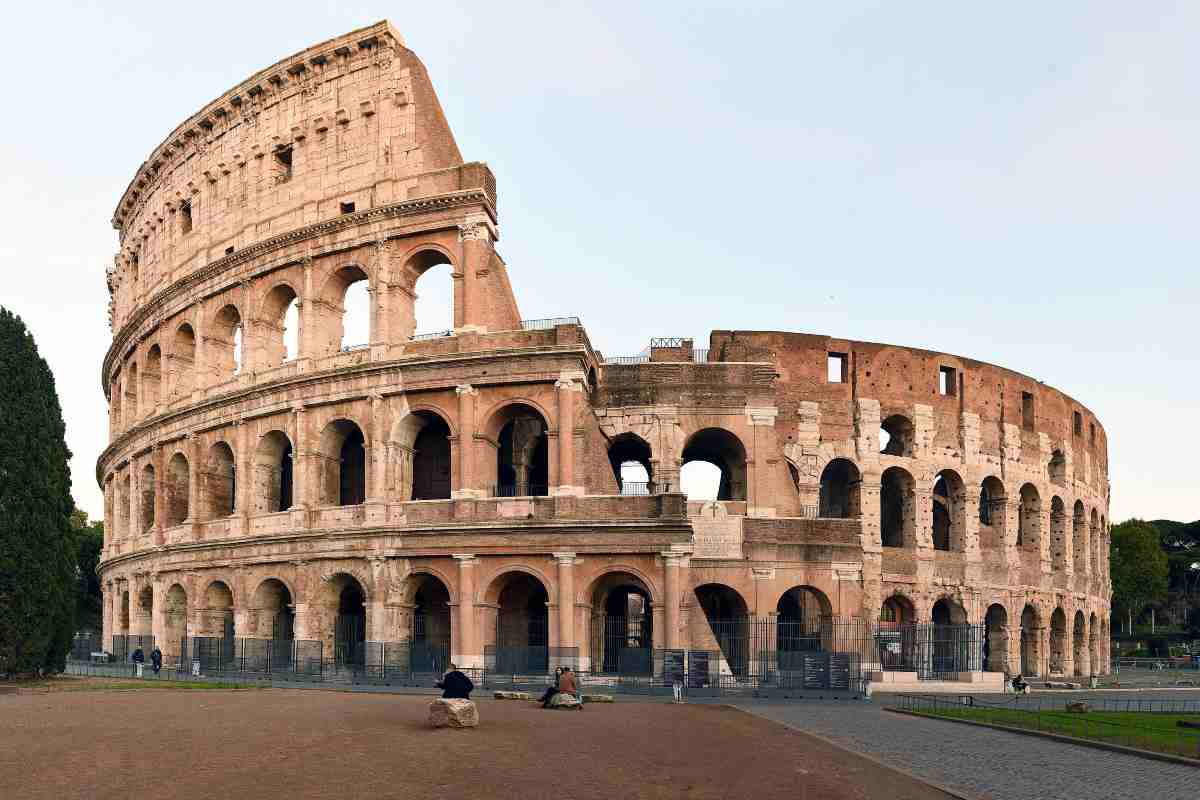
(1058, 641)
(430, 650)
(280, 324)
(1031, 641)
(723, 450)
(1058, 533)
(273, 473)
(223, 344)
(174, 622)
(954, 648)
(216, 628)
(152, 378)
(428, 302)
(1029, 521)
(275, 608)
(219, 482)
(350, 624)
(178, 480)
(145, 614)
(1057, 468)
(896, 435)
(1094, 545)
(897, 508)
(431, 459)
(522, 457)
(1080, 650)
(123, 616)
(522, 626)
(728, 624)
(347, 292)
(127, 526)
(343, 464)
(992, 500)
(183, 360)
(802, 614)
(1079, 545)
(622, 625)
(146, 504)
(131, 396)
(629, 456)
(948, 612)
(1094, 644)
(896, 610)
(995, 643)
(115, 394)
(841, 490)
(896, 639)
(949, 512)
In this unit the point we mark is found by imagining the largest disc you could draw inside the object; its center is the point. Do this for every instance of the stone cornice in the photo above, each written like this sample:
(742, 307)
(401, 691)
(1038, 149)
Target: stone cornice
(449, 201)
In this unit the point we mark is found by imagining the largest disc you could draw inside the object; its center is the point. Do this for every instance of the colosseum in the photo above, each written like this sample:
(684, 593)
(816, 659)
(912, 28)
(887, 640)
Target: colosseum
(501, 493)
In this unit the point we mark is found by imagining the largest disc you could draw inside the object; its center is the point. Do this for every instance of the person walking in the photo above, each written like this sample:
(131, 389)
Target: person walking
(455, 685)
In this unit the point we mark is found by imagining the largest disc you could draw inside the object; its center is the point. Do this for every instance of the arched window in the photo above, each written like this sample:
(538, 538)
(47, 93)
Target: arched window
(629, 456)
(949, 511)
(431, 459)
(723, 450)
(428, 305)
(622, 625)
(218, 622)
(897, 508)
(219, 482)
(841, 490)
(343, 464)
(115, 395)
(992, 500)
(522, 459)
(131, 395)
(996, 641)
(1029, 521)
(1057, 468)
(224, 343)
(1058, 642)
(183, 360)
(1079, 546)
(1058, 533)
(147, 487)
(349, 322)
(1031, 641)
(280, 326)
(522, 624)
(276, 614)
(896, 435)
(178, 481)
(273, 473)
(801, 616)
(725, 611)
(152, 378)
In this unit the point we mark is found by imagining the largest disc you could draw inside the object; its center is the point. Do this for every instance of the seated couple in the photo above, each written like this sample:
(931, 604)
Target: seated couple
(564, 682)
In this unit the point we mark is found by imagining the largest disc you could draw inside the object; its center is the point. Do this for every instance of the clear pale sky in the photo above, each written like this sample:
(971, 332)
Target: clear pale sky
(1016, 183)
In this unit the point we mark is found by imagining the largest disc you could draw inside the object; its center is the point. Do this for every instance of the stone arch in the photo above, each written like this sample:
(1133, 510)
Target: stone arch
(630, 453)
(1079, 543)
(152, 378)
(220, 481)
(175, 621)
(422, 455)
(343, 317)
(1056, 469)
(215, 617)
(521, 632)
(177, 489)
(995, 653)
(1094, 545)
(278, 344)
(147, 485)
(145, 610)
(947, 611)
(183, 359)
(1094, 643)
(131, 392)
(115, 394)
(725, 451)
(224, 342)
(273, 607)
(429, 628)
(1058, 641)
(274, 473)
(841, 490)
(1029, 520)
(342, 463)
(897, 609)
(801, 621)
(123, 615)
(897, 436)
(414, 264)
(621, 625)
(522, 464)
(1079, 645)
(725, 612)
(949, 512)
(341, 617)
(1031, 640)
(897, 509)
(1058, 533)
(993, 500)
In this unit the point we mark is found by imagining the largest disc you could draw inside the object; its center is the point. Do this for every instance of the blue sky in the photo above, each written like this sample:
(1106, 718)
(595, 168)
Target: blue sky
(1015, 183)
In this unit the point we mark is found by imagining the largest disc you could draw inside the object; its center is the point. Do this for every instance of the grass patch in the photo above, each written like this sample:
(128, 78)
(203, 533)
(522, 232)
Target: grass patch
(64, 683)
(1145, 730)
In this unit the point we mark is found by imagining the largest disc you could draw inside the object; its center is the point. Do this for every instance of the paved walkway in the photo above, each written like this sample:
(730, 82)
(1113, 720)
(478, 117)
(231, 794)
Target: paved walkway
(983, 763)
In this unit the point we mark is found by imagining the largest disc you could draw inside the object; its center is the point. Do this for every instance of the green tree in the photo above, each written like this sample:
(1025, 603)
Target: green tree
(1138, 566)
(38, 559)
(89, 538)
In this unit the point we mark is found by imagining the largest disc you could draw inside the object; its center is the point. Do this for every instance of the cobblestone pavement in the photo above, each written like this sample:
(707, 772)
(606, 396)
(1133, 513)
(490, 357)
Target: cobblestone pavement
(983, 763)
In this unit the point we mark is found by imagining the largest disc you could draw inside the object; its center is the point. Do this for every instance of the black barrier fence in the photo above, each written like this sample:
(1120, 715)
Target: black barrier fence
(123, 647)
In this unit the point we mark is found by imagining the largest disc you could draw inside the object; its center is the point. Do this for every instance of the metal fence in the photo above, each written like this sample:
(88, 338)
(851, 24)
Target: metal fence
(550, 322)
(517, 490)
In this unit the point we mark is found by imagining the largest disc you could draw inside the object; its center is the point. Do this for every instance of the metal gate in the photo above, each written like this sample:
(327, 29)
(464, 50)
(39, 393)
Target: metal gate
(531, 658)
(622, 645)
(349, 637)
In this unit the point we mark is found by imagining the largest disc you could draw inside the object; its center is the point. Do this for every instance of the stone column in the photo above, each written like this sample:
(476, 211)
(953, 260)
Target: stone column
(466, 442)
(377, 461)
(674, 569)
(469, 652)
(475, 238)
(308, 316)
(243, 475)
(160, 494)
(567, 387)
(566, 599)
(301, 462)
(134, 530)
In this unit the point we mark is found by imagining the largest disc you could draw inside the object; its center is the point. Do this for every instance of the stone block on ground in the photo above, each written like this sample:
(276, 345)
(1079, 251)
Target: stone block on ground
(499, 695)
(1078, 707)
(597, 698)
(566, 702)
(453, 713)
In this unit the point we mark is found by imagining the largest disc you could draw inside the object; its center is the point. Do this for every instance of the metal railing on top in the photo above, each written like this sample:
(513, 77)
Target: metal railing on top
(513, 490)
(350, 348)
(421, 337)
(625, 360)
(549, 322)
(700, 356)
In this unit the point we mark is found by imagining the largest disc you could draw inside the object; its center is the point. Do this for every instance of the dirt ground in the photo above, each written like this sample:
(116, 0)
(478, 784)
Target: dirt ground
(111, 743)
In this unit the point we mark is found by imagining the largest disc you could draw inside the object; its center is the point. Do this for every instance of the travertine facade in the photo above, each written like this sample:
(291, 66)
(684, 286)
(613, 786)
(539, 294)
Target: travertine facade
(471, 480)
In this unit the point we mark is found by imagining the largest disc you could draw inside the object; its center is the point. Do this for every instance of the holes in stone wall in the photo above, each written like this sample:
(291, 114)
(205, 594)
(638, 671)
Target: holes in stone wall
(836, 367)
(947, 381)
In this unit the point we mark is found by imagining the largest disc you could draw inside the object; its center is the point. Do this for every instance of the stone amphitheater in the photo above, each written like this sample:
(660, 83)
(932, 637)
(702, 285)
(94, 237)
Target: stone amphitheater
(501, 484)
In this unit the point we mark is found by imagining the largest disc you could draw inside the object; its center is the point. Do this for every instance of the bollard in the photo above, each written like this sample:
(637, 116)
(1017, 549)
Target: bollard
(196, 668)
(139, 669)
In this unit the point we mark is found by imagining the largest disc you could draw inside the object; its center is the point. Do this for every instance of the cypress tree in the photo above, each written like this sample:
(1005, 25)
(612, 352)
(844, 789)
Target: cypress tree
(37, 544)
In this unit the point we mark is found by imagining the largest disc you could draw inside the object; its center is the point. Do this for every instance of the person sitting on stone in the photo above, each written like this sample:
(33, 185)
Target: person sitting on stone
(552, 689)
(455, 685)
(567, 684)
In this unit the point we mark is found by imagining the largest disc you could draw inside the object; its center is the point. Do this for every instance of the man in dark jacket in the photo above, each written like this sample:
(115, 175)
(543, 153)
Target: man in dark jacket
(455, 685)
(156, 660)
(138, 656)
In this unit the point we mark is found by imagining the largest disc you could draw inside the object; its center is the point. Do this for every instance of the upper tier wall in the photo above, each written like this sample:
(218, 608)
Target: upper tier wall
(353, 120)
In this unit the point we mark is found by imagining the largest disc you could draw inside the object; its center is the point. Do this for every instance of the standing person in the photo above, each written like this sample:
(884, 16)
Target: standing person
(138, 658)
(553, 688)
(156, 659)
(455, 685)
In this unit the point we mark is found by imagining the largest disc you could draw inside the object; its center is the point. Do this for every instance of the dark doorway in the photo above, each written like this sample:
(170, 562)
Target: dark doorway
(352, 489)
(431, 461)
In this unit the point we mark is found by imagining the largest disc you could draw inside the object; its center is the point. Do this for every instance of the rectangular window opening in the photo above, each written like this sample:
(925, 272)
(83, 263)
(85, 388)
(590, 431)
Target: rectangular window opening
(283, 164)
(1027, 411)
(836, 366)
(228, 251)
(947, 381)
(1078, 424)
(347, 208)
(185, 216)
